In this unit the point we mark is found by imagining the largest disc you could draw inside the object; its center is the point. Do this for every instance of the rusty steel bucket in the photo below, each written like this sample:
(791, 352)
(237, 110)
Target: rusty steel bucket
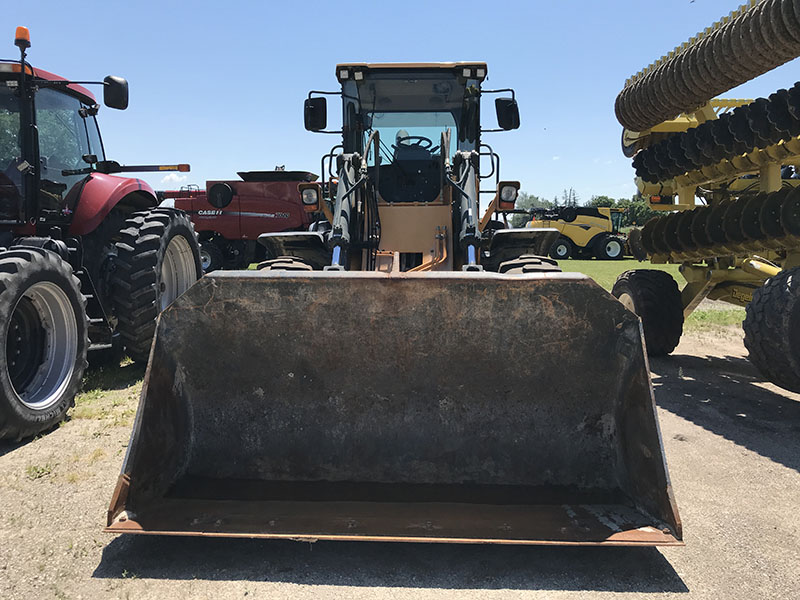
(433, 407)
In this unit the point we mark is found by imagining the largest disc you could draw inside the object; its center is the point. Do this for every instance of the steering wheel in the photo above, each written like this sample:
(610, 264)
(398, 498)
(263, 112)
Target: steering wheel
(420, 141)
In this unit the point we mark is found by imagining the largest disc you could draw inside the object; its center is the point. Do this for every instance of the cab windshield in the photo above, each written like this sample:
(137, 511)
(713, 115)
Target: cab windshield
(410, 135)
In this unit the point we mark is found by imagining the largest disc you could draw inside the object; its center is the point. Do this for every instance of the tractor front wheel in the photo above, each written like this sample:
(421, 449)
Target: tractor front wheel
(43, 317)
(772, 329)
(158, 259)
(654, 296)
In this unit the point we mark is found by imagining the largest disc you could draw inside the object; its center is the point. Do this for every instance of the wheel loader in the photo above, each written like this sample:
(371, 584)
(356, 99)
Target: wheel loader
(407, 369)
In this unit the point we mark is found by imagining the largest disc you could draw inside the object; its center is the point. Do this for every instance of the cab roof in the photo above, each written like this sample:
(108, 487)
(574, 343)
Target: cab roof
(12, 66)
(474, 68)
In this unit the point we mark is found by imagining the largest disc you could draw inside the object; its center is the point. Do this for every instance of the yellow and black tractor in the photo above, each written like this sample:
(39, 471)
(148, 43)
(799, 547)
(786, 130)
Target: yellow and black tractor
(586, 231)
(373, 379)
(725, 175)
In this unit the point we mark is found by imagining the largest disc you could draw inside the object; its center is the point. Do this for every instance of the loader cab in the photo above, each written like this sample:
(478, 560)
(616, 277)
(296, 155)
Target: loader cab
(408, 167)
(411, 109)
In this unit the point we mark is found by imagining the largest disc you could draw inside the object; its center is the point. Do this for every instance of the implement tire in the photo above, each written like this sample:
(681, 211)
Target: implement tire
(654, 296)
(158, 258)
(45, 330)
(772, 329)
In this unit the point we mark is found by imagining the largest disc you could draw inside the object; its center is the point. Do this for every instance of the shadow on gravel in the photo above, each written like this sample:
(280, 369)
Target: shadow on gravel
(720, 394)
(112, 377)
(370, 564)
(6, 446)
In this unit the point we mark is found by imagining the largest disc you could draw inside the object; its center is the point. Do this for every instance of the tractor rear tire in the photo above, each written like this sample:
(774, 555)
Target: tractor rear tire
(654, 296)
(158, 258)
(211, 256)
(772, 329)
(43, 357)
(610, 247)
(562, 249)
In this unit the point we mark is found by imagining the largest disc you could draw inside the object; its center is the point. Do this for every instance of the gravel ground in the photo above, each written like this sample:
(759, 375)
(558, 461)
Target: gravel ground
(733, 448)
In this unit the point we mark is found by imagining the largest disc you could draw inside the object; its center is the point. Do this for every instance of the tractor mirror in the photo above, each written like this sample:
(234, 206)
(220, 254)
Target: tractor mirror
(507, 113)
(115, 92)
(315, 114)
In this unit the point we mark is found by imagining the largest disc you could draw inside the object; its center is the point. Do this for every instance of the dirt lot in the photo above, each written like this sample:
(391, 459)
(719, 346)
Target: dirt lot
(732, 443)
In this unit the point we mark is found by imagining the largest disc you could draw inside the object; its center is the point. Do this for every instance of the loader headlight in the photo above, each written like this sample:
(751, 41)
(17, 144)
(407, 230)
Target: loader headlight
(310, 195)
(507, 194)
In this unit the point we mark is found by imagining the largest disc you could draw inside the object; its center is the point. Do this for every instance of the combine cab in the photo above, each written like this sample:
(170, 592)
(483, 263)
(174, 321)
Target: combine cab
(407, 371)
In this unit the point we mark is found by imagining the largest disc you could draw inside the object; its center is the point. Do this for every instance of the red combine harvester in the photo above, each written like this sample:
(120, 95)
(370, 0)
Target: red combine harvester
(230, 215)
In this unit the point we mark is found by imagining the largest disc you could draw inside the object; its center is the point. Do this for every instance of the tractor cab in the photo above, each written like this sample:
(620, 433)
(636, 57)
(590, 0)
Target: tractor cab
(68, 140)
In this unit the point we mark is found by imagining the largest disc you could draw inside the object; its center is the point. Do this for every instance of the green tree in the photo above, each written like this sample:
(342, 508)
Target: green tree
(601, 201)
(637, 211)
(527, 201)
(569, 197)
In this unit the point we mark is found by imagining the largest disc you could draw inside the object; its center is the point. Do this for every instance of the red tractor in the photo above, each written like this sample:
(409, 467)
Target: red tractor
(230, 215)
(87, 259)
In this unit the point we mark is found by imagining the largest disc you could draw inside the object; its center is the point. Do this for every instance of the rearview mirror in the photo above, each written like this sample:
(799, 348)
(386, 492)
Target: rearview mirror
(507, 113)
(115, 92)
(315, 114)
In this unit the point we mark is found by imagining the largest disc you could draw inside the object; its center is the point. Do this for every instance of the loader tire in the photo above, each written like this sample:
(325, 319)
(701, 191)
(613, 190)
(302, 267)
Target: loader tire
(528, 263)
(654, 296)
(772, 329)
(211, 256)
(284, 263)
(562, 249)
(158, 258)
(43, 315)
(610, 247)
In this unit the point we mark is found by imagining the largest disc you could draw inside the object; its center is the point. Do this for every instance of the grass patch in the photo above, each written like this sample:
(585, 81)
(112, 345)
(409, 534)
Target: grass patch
(605, 272)
(34, 472)
(714, 319)
(110, 393)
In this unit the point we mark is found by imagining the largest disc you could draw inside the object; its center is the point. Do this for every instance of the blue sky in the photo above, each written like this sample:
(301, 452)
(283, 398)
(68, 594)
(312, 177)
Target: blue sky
(221, 85)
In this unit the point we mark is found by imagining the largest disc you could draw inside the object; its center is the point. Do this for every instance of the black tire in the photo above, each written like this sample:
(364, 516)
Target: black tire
(284, 263)
(43, 316)
(211, 256)
(610, 247)
(158, 258)
(529, 263)
(562, 249)
(772, 329)
(654, 296)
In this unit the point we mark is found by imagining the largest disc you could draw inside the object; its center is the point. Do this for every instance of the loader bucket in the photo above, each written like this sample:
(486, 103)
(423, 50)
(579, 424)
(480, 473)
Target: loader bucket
(435, 407)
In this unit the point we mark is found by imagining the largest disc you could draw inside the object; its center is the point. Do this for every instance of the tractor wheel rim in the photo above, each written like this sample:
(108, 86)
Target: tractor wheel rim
(561, 250)
(627, 302)
(613, 248)
(41, 345)
(177, 270)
